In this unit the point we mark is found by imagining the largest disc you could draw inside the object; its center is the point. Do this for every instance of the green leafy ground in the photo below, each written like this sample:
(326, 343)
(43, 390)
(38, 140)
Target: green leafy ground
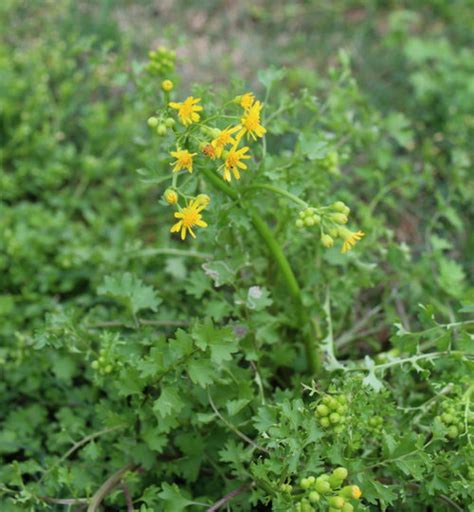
(139, 372)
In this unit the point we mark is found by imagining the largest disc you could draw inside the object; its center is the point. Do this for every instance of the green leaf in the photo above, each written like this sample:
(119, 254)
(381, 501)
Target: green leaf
(258, 298)
(312, 146)
(451, 277)
(131, 291)
(170, 402)
(219, 272)
(371, 379)
(173, 498)
(221, 341)
(201, 372)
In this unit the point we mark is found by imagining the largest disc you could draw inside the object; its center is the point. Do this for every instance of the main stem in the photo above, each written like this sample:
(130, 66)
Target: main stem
(312, 355)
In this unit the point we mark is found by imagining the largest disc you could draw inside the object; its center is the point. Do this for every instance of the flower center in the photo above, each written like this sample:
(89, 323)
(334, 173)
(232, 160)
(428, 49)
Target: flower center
(190, 217)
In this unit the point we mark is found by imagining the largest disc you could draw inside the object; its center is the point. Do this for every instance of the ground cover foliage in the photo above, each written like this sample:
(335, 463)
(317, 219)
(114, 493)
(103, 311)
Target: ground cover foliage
(257, 366)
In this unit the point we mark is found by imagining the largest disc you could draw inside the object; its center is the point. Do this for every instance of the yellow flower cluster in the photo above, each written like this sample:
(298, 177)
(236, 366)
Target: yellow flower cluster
(224, 144)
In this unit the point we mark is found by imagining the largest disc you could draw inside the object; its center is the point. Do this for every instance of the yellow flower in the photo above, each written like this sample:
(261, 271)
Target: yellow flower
(209, 150)
(188, 110)
(250, 122)
(167, 85)
(224, 138)
(350, 238)
(189, 216)
(233, 162)
(184, 160)
(246, 100)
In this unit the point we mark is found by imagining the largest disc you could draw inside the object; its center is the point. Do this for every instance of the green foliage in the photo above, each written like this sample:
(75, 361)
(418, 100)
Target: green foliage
(140, 369)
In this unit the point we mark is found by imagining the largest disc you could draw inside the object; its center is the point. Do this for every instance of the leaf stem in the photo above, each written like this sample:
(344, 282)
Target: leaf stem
(312, 354)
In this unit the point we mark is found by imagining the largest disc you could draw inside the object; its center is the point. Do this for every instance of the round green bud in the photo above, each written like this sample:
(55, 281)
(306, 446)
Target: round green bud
(326, 399)
(169, 122)
(322, 410)
(314, 497)
(152, 122)
(95, 365)
(334, 232)
(341, 409)
(447, 418)
(351, 492)
(317, 219)
(324, 422)
(341, 473)
(108, 368)
(336, 502)
(309, 221)
(311, 480)
(322, 486)
(339, 206)
(305, 483)
(102, 351)
(334, 482)
(302, 214)
(338, 429)
(161, 130)
(334, 418)
(453, 432)
(339, 218)
(101, 360)
(348, 507)
(299, 223)
(327, 241)
(342, 399)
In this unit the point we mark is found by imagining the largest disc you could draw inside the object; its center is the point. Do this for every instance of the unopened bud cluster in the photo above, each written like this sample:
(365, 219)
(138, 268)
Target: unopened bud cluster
(332, 412)
(454, 416)
(161, 124)
(326, 491)
(103, 364)
(162, 61)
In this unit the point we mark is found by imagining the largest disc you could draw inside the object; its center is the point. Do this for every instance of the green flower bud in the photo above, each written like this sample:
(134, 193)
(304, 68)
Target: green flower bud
(447, 418)
(309, 221)
(324, 422)
(322, 486)
(453, 432)
(322, 410)
(305, 483)
(95, 365)
(169, 122)
(336, 502)
(348, 507)
(340, 473)
(351, 492)
(108, 368)
(334, 418)
(339, 206)
(334, 482)
(161, 130)
(152, 122)
(338, 218)
(338, 429)
(314, 497)
(327, 241)
(299, 223)
(311, 480)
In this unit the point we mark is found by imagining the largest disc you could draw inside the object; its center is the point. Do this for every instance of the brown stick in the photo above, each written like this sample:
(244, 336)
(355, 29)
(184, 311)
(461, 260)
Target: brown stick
(107, 486)
(232, 494)
(128, 498)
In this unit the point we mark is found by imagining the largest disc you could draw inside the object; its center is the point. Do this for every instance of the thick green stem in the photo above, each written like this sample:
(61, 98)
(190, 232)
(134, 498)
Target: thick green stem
(312, 354)
(277, 190)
